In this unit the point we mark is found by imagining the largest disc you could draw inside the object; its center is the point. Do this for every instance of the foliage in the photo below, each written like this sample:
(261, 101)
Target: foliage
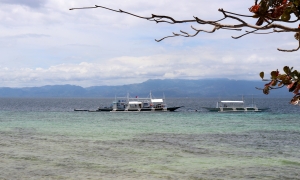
(276, 10)
(269, 11)
(280, 10)
(290, 78)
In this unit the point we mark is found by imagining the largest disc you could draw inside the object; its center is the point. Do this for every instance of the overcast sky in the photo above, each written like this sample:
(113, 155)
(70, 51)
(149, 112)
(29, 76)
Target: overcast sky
(42, 42)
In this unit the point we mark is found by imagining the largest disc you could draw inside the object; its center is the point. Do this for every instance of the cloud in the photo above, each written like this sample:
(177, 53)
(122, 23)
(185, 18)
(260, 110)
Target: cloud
(29, 3)
(21, 36)
(42, 42)
(198, 63)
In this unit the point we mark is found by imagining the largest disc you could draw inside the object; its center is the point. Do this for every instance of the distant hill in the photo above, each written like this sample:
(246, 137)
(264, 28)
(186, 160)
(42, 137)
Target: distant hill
(168, 87)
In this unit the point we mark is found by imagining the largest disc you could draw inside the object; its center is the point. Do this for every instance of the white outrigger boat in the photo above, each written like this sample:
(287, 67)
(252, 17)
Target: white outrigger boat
(128, 104)
(235, 106)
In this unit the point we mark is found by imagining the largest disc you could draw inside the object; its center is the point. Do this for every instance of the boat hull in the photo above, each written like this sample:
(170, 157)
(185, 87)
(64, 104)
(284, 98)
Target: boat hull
(81, 110)
(173, 108)
(246, 109)
(137, 110)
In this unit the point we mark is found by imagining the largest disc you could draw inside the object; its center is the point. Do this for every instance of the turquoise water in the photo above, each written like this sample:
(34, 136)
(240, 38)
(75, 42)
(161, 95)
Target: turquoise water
(45, 139)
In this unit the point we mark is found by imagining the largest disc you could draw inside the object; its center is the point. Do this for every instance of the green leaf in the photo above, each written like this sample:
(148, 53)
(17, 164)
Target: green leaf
(295, 73)
(286, 82)
(286, 69)
(281, 77)
(262, 74)
(274, 74)
(266, 90)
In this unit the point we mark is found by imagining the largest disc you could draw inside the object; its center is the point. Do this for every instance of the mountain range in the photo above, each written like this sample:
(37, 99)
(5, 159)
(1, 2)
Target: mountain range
(158, 87)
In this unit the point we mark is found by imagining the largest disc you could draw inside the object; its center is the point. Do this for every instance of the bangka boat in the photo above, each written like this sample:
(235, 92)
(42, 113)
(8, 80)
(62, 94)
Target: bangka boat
(234, 106)
(128, 104)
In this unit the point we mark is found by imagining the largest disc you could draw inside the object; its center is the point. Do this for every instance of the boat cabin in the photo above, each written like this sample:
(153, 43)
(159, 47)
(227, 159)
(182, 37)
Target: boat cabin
(139, 104)
(230, 104)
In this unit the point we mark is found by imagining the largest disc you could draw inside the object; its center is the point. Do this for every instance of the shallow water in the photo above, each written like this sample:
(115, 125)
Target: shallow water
(46, 139)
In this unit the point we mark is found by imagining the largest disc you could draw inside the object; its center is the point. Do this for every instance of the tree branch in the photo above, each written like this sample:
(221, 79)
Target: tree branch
(292, 50)
(216, 24)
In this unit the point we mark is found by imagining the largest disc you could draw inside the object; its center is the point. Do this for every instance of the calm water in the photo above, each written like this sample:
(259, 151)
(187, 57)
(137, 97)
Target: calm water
(46, 139)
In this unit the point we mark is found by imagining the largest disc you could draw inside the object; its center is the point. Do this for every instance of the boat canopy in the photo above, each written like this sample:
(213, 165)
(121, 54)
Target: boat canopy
(232, 101)
(157, 100)
(135, 102)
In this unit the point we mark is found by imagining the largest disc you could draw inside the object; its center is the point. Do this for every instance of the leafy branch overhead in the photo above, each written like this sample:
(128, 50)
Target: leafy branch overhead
(273, 16)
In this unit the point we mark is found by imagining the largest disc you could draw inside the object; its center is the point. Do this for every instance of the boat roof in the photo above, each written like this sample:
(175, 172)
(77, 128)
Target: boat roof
(157, 100)
(135, 102)
(232, 101)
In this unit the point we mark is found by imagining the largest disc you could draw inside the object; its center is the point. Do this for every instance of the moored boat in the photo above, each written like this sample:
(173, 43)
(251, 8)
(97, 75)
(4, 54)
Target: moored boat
(128, 104)
(234, 106)
(81, 110)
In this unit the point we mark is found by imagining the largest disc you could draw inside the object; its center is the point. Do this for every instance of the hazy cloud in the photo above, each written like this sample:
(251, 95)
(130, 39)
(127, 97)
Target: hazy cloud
(49, 44)
(26, 36)
(29, 3)
(116, 71)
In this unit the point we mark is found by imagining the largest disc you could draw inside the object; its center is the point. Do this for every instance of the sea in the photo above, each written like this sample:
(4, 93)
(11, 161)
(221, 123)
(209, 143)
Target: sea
(44, 138)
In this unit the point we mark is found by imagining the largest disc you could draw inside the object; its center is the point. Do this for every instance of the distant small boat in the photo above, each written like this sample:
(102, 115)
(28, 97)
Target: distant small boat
(81, 110)
(234, 106)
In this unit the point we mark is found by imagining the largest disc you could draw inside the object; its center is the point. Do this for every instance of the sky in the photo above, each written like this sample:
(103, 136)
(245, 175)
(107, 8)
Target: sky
(42, 42)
